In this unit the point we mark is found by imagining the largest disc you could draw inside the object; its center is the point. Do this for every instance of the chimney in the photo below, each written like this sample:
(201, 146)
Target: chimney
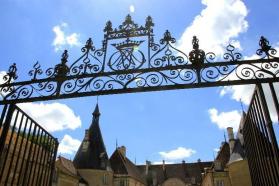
(164, 165)
(148, 163)
(122, 150)
(164, 170)
(231, 138)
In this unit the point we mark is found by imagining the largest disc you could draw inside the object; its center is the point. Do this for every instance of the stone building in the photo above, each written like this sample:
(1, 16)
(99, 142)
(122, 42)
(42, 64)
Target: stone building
(92, 166)
(180, 174)
(230, 167)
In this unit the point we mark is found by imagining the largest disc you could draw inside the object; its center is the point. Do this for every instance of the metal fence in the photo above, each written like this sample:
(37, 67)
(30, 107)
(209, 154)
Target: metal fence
(27, 151)
(260, 141)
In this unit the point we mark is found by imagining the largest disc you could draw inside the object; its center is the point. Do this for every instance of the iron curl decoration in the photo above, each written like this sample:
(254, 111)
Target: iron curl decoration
(231, 55)
(166, 54)
(90, 60)
(35, 71)
(130, 60)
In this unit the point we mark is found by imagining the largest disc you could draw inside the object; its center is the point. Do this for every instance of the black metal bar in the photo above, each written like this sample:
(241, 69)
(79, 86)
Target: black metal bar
(257, 154)
(269, 124)
(135, 90)
(3, 114)
(265, 141)
(35, 144)
(5, 131)
(25, 150)
(38, 157)
(42, 170)
(44, 178)
(261, 157)
(157, 69)
(14, 150)
(46, 146)
(49, 165)
(26, 172)
(56, 143)
(249, 147)
(19, 152)
(272, 137)
(34, 154)
(275, 99)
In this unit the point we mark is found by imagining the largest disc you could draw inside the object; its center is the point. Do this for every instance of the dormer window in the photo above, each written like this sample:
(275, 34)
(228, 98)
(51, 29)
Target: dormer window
(85, 145)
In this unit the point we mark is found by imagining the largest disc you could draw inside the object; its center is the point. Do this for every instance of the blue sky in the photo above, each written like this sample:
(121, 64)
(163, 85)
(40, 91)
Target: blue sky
(171, 125)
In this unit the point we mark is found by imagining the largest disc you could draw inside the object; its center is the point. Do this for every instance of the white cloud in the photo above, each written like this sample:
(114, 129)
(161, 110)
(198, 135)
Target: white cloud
(245, 92)
(53, 116)
(132, 8)
(177, 154)
(61, 39)
(216, 150)
(68, 145)
(239, 92)
(219, 23)
(225, 119)
(2, 74)
(161, 162)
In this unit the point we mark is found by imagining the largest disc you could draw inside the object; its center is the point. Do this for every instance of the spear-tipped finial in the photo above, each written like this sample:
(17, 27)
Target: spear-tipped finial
(108, 27)
(149, 23)
(96, 112)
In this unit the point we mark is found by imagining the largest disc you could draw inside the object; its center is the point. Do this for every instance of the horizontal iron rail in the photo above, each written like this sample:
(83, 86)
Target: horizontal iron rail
(141, 89)
(146, 70)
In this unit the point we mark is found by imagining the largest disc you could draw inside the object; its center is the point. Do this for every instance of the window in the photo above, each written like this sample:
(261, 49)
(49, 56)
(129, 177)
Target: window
(105, 179)
(219, 183)
(121, 183)
(124, 182)
(85, 145)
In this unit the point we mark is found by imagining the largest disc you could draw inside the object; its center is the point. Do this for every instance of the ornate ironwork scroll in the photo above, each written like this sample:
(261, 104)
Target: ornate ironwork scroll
(131, 61)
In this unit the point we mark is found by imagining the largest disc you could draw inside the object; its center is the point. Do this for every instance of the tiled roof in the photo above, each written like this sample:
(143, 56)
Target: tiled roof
(183, 171)
(238, 152)
(95, 155)
(66, 166)
(122, 165)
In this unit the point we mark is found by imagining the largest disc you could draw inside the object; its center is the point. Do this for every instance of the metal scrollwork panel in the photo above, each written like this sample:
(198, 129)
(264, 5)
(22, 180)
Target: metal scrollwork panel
(131, 61)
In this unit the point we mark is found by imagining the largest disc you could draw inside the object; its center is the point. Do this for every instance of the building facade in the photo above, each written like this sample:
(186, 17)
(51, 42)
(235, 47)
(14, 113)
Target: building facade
(92, 166)
(230, 167)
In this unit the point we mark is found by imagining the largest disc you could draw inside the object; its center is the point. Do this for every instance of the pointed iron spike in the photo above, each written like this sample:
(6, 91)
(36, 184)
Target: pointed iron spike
(37, 65)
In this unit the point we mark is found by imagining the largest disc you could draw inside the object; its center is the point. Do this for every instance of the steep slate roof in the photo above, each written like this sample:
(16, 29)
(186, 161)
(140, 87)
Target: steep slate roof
(95, 156)
(224, 154)
(238, 152)
(122, 165)
(183, 171)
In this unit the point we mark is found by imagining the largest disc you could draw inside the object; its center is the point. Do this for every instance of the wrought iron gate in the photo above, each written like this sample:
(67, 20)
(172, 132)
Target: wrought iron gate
(27, 151)
(260, 141)
(130, 60)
